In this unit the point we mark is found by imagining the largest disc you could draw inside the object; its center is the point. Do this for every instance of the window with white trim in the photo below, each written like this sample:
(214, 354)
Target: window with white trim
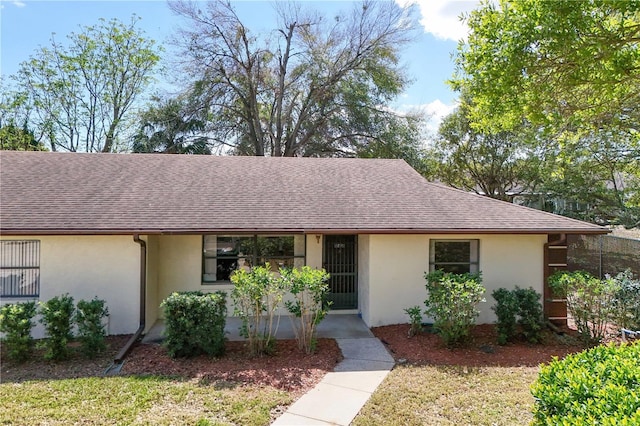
(20, 268)
(455, 256)
(223, 254)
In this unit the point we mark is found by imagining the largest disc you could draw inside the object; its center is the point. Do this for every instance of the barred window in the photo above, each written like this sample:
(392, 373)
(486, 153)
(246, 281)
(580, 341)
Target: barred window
(20, 268)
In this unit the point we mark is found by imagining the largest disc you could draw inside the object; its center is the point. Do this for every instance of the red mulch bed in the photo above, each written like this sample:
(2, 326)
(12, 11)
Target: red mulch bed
(288, 369)
(482, 350)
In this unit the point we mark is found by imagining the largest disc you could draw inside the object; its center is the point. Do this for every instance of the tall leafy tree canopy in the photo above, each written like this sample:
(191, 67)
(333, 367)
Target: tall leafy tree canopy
(571, 70)
(314, 86)
(79, 94)
(567, 65)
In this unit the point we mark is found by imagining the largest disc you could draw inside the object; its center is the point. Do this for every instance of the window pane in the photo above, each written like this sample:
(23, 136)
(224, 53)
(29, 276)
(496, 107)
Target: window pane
(275, 246)
(460, 268)
(452, 251)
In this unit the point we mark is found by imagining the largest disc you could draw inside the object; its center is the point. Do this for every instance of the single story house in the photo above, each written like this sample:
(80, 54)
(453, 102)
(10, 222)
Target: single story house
(133, 228)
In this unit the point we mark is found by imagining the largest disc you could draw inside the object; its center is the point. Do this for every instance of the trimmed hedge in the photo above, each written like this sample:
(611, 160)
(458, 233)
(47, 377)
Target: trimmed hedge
(194, 323)
(16, 322)
(598, 386)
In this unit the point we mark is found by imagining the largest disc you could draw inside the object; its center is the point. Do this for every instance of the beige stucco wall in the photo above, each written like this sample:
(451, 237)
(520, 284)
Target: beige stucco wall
(397, 264)
(179, 259)
(153, 265)
(106, 267)
(364, 283)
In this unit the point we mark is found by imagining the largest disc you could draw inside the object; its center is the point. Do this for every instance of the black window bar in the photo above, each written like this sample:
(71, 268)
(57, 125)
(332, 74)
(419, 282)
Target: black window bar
(20, 268)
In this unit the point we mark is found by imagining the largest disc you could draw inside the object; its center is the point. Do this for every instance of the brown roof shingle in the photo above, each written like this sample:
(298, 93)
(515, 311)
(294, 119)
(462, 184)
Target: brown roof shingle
(50, 193)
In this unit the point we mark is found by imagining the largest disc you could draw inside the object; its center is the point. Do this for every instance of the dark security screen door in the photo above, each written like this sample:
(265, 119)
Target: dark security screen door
(340, 263)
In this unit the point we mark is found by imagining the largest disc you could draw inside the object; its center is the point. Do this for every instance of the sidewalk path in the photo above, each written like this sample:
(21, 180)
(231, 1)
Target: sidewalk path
(338, 398)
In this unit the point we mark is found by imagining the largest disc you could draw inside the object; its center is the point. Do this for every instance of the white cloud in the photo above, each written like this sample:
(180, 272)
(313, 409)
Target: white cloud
(442, 17)
(433, 112)
(19, 3)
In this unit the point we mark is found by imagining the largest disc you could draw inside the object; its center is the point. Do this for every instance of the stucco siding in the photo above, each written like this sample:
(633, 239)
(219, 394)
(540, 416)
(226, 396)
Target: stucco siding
(106, 267)
(180, 265)
(363, 278)
(397, 264)
(152, 298)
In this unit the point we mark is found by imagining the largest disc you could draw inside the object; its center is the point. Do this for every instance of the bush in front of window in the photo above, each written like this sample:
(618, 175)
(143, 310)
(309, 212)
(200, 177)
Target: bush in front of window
(452, 303)
(57, 318)
(91, 331)
(309, 289)
(599, 386)
(256, 296)
(16, 322)
(194, 323)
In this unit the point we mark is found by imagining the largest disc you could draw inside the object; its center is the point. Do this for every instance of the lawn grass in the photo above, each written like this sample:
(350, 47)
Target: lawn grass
(137, 400)
(452, 395)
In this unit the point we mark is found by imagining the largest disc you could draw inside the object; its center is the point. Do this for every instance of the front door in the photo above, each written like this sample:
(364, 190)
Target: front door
(340, 261)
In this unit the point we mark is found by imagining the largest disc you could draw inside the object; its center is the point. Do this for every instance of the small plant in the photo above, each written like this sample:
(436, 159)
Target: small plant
(589, 300)
(16, 322)
(91, 333)
(415, 320)
(530, 313)
(626, 301)
(57, 317)
(194, 323)
(452, 303)
(256, 296)
(308, 308)
(594, 387)
(506, 309)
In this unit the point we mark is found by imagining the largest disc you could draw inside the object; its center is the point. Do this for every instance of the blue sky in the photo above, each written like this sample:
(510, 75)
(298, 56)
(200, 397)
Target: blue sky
(25, 25)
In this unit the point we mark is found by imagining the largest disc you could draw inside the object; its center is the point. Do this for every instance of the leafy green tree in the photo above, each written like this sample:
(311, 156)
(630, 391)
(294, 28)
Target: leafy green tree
(14, 138)
(170, 126)
(563, 64)
(571, 70)
(313, 86)
(496, 165)
(81, 92)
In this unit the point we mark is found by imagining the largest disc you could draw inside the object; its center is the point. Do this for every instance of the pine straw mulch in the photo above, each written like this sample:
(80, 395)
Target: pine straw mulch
(427, 348)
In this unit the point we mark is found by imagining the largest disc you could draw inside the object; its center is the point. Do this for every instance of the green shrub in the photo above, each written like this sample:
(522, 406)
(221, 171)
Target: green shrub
(91, 333)
(452, 303)
(600, 386)
(308, 308)
(530, 313)
(415, 320)
(57, 317)
(194, 323)
(506, 309)
(256, 296)
(626, 301)
(16, 322)
(589, 301)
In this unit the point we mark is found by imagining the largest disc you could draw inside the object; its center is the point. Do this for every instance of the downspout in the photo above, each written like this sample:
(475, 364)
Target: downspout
(143, 287)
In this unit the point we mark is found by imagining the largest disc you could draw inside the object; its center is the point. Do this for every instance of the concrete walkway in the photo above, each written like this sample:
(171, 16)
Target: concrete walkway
(340, 395)
(338, 398)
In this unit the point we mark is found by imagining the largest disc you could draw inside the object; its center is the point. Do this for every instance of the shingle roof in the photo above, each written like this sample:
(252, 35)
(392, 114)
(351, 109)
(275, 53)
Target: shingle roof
(50, 193)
